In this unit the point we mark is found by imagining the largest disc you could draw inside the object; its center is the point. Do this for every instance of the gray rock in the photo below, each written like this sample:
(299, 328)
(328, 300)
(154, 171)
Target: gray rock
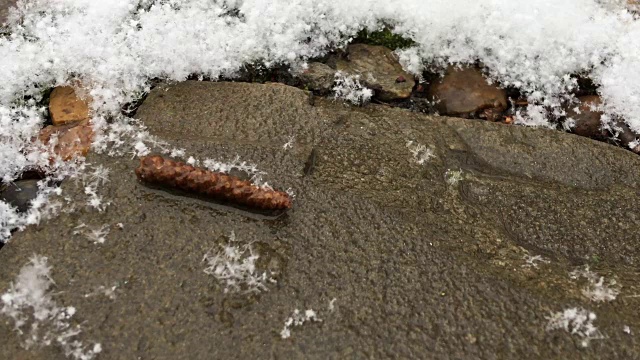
(379, 70)
(419, 268)
(318, 77)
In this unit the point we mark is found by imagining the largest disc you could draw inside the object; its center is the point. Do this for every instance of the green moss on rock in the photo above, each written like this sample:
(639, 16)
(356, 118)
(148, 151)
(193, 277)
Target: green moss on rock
(383, 37)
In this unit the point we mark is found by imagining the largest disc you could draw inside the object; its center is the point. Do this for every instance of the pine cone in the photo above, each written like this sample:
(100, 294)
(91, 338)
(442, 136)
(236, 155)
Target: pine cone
(160, 171)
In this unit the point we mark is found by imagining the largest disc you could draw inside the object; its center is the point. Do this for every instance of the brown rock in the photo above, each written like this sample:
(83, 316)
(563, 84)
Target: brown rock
(66, 106)
(626, 136)
(587, 121)
(465, 91)
(318, 77)
(379, 70)
(74, 139)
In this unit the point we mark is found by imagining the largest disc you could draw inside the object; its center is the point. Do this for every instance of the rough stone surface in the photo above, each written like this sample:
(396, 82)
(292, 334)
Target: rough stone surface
(379, 70)
(587, 121)
(464, 92)
(419, 268)
(66, 106)
(318, 77)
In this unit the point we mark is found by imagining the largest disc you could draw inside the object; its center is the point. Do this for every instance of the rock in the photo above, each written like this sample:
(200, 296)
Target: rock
(66, 106)
(465, 92)
(5, 5)
(587, 121)
(492, 114)
(318, 77)
(379, 70)
(73, 139)
(626, 136)
(400, 249)
(20, 193)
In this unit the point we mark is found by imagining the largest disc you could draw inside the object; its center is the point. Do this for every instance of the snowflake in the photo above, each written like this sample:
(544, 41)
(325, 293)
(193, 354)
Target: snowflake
(235, 267)
(298, 319)
(596, 290)
(348, 88)
(421, 154)
(577, 322)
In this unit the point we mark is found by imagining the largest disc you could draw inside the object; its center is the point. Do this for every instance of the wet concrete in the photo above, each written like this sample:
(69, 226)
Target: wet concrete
(419, 268)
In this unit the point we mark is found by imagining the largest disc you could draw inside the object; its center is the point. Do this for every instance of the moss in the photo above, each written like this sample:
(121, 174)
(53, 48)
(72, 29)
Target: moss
(383, 37)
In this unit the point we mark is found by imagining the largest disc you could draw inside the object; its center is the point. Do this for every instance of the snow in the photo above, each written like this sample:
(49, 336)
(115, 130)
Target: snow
(97, 235)
(577, 322)
(234, 265)
(298, 319)
(349, 89)
(532, 261)
(113, 49)
(420, 153)
(596, 290)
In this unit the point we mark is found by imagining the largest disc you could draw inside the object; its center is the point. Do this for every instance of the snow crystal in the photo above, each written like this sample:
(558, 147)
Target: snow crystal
(577, 322)
(533, 261)
(289, 143)
(109, 292)
(235, 164)
(298, 319)
(332, 306)
(235, 266)
(452, 177)
(34, 311)
(97, 235)
(348, 88)
(421, 154)
(596, 290)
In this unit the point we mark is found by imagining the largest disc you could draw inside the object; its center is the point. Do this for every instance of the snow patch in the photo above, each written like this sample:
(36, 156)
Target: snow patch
(348, 88)
(298, 319)
(577, 322)
(234, 265)
(597, 289)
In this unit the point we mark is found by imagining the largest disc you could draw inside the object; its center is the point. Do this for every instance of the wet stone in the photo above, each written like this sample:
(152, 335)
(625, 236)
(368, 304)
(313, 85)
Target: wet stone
(586, 117)
(379, 70)
(399, 246)
(73, 139)
(20, 193)
(465, 92)
(318, 77)
(626, 136)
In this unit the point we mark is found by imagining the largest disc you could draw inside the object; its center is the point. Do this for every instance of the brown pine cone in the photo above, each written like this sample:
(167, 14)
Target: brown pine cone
(161, 171)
